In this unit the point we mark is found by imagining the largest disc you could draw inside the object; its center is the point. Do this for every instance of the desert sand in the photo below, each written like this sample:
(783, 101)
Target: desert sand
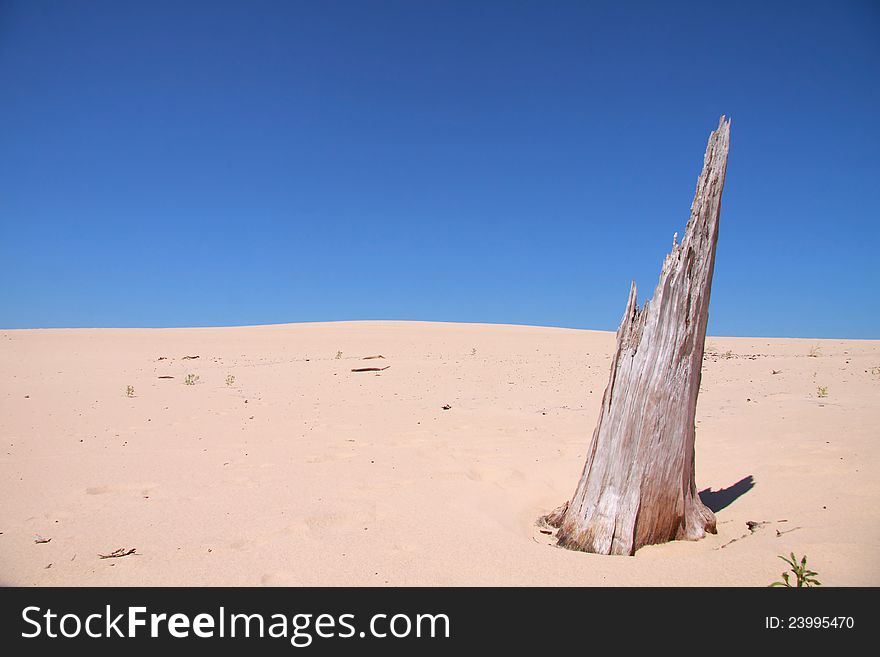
(302, 472)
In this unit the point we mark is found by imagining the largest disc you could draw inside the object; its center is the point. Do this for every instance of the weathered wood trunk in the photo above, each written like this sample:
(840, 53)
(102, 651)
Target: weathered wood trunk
(638, 487)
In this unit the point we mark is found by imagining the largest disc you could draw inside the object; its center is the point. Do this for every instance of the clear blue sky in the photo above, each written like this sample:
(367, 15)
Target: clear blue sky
(217, 163)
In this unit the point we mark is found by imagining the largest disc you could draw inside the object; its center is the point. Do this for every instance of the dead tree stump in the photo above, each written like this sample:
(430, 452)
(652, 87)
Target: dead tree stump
(637, 487)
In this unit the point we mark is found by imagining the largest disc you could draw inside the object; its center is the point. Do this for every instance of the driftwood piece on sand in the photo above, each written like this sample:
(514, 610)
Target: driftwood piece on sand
(370, 369)
(637, 486)
(116, 554)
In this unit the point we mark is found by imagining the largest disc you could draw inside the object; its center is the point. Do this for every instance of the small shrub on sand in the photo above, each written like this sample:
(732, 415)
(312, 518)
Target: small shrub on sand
(129, 391)
(815, 351)
(230, 380)
(191, 379)
(822, 391)
(804, 578)
(338, 355)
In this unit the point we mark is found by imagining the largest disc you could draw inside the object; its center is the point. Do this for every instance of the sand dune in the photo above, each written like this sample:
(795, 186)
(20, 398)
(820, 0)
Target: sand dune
(302, 472)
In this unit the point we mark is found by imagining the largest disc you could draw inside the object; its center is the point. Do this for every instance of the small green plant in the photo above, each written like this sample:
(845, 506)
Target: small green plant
(822, 391)
(230, 380)
(804, 578)
(191, 379)
(815, 351)
(129, 391)
(338, 355)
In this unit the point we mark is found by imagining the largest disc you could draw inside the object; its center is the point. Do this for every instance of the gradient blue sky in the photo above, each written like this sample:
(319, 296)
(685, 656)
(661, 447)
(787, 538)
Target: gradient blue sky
(217, 163)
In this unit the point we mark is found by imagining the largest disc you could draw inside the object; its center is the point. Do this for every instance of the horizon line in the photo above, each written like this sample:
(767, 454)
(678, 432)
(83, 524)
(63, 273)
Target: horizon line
(411, 321)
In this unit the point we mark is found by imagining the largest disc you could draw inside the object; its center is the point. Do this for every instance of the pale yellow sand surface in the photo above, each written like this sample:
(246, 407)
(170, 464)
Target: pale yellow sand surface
(302, 472)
